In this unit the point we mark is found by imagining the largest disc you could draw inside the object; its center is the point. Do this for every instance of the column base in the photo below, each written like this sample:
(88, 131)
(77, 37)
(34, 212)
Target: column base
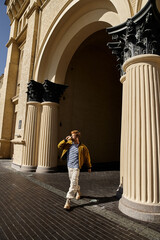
(143, 212)
(16, 166)
(46, 170)
(28, 169)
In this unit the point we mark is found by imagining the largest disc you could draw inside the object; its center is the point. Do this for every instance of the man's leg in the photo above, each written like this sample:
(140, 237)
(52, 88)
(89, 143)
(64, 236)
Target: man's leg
(74, 179)
(74, 187)
(67, 204)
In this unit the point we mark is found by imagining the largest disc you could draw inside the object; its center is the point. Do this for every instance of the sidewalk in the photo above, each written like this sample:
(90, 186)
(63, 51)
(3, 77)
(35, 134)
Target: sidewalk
(31, 207)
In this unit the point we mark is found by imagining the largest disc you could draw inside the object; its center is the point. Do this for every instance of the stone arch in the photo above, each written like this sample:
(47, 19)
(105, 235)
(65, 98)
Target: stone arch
(78, 20)
(92, 102)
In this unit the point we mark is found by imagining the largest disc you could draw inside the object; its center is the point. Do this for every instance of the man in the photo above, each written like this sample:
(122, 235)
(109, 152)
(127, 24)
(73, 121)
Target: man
(77, 154)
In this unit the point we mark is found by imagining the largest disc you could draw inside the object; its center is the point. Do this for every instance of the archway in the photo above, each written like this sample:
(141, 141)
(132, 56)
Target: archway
(92, 102)
(77, 21)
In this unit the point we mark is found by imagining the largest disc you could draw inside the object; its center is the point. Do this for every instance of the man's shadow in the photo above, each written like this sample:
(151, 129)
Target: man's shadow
(94, 201)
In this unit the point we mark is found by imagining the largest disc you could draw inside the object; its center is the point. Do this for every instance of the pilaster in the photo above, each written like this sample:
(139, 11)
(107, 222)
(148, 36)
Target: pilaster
(26, 71)
(7, 93)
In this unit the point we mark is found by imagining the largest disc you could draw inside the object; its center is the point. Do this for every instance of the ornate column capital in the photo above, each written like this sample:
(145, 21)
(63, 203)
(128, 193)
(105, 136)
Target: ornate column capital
(52, 91)
(35, 91)
(46, 92)
(138, 35)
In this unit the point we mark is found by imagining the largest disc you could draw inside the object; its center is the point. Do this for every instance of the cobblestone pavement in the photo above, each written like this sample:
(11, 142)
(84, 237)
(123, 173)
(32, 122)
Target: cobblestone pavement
(31, 207)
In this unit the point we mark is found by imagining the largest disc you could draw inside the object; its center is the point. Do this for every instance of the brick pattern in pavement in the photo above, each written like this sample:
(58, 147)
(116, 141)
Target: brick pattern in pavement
(100, 185)
(28, 211)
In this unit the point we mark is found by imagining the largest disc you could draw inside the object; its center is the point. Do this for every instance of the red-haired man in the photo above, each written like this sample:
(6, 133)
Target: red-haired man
(76, 154)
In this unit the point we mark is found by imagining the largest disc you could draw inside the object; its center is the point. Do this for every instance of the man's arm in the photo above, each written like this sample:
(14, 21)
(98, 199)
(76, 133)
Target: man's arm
(62, 144)
(88, 159)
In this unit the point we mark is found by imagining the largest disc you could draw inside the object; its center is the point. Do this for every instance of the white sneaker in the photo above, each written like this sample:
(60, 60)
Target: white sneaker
(67, 205)
(78, 195)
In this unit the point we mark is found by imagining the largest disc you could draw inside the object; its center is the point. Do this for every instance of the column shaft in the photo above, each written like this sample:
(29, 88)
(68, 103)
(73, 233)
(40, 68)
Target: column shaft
(30, 149)
(142, 138)
(47, 155)
(123, 132)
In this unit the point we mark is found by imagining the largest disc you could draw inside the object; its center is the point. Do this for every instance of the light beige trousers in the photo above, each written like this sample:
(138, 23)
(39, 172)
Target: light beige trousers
(74, 178)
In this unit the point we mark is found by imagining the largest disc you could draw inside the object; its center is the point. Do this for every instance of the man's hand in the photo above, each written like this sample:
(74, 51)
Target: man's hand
(89, 170)
(68, 138)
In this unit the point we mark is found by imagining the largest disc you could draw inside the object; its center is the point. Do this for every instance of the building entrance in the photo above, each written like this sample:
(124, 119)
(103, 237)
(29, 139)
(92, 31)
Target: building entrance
(92, 101)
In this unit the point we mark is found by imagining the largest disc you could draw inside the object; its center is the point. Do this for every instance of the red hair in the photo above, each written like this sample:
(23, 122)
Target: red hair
(78, 134)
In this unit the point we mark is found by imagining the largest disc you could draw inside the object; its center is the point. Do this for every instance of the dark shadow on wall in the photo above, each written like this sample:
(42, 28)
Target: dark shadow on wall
(96, 167)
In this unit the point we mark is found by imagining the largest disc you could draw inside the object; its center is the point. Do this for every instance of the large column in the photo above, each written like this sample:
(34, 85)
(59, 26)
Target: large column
(47, 158)
(136, 44)
(31, 135)
(141, 138)
(47, 155)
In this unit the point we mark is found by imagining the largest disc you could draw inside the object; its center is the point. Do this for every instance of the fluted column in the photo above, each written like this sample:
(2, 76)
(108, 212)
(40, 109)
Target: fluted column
(123, 132)
(30, 149)
(47, 154)
(141, 138)
(31, 135)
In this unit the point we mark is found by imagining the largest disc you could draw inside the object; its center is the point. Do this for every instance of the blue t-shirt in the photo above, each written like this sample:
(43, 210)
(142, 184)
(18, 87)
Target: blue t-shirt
(73, 156)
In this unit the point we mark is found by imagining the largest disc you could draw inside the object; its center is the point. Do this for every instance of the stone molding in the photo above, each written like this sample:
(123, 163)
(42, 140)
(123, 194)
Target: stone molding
(11, 41)
(5, 140)
(22, 142)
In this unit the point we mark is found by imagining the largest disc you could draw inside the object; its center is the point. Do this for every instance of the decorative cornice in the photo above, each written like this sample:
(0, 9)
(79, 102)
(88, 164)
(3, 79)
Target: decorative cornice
(11, 41)
(15, 99)
(15, 8)
(46, 92)
(138, 35)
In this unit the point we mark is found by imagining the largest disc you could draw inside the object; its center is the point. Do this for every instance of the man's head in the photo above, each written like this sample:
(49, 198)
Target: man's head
(75, 134)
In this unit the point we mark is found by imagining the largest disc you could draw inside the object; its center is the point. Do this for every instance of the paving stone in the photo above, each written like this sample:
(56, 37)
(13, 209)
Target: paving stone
(31, 207)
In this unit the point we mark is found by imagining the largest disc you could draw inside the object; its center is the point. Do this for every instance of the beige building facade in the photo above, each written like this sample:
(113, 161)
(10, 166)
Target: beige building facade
(60, 75)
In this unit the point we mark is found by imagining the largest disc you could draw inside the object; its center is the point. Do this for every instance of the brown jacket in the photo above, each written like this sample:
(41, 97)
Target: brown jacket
(84, 156)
